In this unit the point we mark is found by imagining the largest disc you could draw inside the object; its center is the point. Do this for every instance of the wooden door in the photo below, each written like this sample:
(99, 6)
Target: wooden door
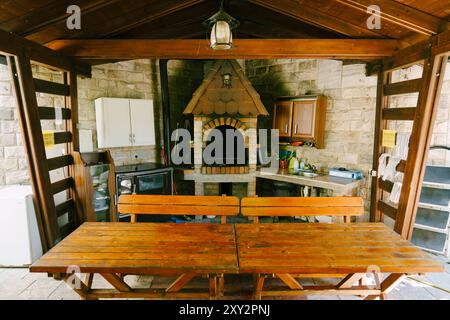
(304, 118)
(113, 122)
(282, 118)
(142, 122)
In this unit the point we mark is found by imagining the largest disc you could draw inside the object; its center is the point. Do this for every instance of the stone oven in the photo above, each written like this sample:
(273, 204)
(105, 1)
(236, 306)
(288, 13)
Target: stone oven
(225, 100)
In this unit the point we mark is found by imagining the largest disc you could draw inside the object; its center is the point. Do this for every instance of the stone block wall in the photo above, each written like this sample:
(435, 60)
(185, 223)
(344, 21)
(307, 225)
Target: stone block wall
(129, 79)
(351, 108)
(350, 113)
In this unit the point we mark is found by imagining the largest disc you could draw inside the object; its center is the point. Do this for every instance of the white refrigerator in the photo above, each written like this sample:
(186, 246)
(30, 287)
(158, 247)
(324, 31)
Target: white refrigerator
(20, 243)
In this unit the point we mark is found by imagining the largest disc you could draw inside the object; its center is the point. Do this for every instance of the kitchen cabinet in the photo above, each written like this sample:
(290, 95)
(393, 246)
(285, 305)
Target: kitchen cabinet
(124, 122)
(282, 118)
(301, 118)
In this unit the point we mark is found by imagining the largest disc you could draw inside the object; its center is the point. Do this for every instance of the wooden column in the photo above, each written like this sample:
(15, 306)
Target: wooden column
(164, 79)
(382, 101)
(34, 142)
(433, 74)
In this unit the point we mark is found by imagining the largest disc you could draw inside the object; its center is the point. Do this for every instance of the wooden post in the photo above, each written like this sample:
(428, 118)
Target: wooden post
(382, 101)
(31, 126)
(433, 74)
(166, 108)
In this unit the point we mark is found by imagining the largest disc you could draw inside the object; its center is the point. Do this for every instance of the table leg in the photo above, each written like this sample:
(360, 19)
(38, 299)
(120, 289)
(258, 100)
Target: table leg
(259, 284)
(180, 282)
(221, 284)
(213, 286)
(290, 281)
(388, 285)
(77, 285)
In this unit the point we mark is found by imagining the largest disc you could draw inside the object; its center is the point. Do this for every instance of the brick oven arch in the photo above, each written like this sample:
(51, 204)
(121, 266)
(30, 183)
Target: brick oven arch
(222, 121)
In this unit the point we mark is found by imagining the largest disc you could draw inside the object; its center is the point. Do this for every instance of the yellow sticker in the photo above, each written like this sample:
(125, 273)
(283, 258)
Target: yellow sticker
(49, 138)
(388, 138)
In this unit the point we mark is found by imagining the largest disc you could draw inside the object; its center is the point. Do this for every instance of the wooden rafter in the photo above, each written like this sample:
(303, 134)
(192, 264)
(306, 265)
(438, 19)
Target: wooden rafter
(401, 15)
(112, 19)
(54, 12)
(301, 11)
(125, 49)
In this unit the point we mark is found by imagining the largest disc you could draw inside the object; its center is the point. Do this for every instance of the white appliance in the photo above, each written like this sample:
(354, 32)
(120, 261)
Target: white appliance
(20, 242)
(124, 122)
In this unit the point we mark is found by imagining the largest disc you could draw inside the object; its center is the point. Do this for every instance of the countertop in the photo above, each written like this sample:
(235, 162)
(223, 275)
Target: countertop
(337, 184)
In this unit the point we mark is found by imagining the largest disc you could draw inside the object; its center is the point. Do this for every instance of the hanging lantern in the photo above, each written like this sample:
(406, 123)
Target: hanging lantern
(221, 25)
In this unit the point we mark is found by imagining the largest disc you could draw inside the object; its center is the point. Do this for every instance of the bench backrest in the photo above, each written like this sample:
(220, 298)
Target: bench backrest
(302, 206)
(222, 206)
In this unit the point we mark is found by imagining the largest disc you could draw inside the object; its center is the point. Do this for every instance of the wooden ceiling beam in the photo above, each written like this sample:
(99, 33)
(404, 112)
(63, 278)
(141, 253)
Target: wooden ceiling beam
(402, 15)
(313, 16)
(12, 44)
(414, 54)
(111, 19)
(125, 49)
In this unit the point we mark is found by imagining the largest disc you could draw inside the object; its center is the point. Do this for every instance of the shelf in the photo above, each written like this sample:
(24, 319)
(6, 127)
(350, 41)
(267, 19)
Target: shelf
(429, 240)
(432, 219)
(437, 177)
(435, 197)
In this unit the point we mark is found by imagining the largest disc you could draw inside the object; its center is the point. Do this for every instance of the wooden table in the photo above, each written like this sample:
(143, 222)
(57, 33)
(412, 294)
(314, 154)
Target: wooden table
(114, 249)
(292, 250)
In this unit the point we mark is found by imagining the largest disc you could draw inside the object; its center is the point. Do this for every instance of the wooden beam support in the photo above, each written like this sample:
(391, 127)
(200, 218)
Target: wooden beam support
(125, 49)
(180, 282)
(290, 281)
(399, 113)
(403, 87)
(116, 282)
(349, 280)
(387, 209)
(432, 78)
(33, 140)
(435, 45)
(13, 45)
(27, 142)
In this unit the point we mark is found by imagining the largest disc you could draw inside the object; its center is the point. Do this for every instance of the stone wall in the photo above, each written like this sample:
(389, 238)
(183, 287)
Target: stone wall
(128, 79)
(350, 112)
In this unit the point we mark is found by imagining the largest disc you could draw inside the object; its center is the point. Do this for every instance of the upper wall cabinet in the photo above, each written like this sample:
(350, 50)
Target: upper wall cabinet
(124, 122)
(301, 118)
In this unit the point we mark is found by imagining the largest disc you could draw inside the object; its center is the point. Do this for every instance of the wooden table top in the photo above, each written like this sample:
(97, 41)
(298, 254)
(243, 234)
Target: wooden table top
(306, 248)
(142, 248)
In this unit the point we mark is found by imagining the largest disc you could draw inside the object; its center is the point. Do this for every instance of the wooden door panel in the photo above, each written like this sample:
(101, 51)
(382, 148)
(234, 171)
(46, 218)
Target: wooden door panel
(282, 118)
(142, 122)
(304, 115)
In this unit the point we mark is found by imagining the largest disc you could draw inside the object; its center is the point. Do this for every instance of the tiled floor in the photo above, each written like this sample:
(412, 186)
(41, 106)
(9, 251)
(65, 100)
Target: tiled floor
(18, 283)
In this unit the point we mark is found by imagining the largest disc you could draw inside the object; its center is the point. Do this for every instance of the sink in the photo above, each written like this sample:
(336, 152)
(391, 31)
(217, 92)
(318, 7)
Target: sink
(308, 174)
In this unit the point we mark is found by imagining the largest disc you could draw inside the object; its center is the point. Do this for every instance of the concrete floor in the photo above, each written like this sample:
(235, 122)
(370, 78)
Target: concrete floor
(19, 283)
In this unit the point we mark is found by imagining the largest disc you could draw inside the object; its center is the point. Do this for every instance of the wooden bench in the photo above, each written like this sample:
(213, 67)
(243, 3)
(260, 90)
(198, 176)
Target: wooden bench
(345, 207)
(222, 206)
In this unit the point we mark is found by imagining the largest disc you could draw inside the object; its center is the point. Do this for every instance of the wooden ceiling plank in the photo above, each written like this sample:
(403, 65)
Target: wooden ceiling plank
(257, 18)
(168, 24)
(401, 15)
(316, 17)
(117, 16)
(166, 7)
(55, 12)
(125, 49)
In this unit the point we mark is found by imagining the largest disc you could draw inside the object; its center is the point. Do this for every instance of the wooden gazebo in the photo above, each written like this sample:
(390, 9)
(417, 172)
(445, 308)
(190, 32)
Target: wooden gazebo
(411, 32)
